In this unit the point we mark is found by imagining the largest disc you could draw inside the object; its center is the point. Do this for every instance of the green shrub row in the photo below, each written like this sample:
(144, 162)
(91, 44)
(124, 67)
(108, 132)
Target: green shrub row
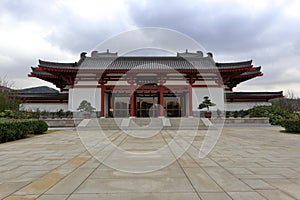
(237, 113)
(275, 113)
(291, 125)
(35, 115)
(16, 129)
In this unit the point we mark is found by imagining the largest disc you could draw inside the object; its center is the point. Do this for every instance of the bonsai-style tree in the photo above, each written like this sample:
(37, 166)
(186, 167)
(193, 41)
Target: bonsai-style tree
(206, 103)
(85, 106)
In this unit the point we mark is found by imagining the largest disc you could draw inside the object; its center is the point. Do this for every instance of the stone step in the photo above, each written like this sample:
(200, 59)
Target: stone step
(147, 123)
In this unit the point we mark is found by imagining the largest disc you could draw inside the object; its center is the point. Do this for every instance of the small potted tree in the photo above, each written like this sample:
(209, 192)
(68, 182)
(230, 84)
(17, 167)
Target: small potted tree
(206, 103)
(86, 108)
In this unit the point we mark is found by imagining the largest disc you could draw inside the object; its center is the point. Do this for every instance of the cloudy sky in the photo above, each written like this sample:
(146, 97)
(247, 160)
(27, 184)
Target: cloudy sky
(268, 32)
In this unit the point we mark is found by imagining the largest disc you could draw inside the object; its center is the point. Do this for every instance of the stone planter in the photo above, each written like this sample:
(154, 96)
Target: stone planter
(86, 115)
(207, 115)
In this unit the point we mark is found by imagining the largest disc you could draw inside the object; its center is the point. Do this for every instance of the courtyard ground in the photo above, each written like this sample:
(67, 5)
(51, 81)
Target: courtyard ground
(246, 163)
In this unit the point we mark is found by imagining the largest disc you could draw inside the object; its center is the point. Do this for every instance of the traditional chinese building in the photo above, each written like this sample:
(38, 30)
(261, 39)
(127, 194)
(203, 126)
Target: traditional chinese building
(146, 86)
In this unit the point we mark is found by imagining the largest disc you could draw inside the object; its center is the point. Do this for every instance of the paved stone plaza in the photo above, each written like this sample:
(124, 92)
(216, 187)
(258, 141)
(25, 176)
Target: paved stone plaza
(247, 163)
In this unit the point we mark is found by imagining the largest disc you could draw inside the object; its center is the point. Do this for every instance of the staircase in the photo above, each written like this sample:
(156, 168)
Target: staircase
(147, 124)
(109, 123)
(187, 124)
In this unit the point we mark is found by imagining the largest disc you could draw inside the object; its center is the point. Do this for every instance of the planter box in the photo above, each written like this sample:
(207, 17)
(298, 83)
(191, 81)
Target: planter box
(262, 120)
(60, 122)
(207, 115)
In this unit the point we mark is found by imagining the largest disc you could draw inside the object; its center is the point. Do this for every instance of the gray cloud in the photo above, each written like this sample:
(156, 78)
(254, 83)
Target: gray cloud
(81, 38)
(232, 31)
(43, 12)
(67, 30)
(218, 26)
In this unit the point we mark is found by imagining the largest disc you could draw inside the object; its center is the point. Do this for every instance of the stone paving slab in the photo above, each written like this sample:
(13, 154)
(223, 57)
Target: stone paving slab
(136, 196)
(274, 195)
(246, 196)
(214, 196)
(247, 163)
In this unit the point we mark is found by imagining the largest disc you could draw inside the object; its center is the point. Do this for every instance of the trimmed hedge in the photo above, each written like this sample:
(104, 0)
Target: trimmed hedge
(16, 129)
(275, 114)
(39, 126)
(291, 125)
(12, 114)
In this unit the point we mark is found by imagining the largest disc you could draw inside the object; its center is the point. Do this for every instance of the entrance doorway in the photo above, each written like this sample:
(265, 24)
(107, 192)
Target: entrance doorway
(173, 108)
(121, 108)
(146, 106)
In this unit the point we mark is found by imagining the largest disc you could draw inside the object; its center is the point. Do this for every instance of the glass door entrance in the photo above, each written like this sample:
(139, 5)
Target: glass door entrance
(146, 106)
(121, 108)
(173, 107)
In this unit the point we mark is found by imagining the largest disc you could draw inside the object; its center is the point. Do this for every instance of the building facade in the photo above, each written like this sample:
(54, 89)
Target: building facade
(147, 86)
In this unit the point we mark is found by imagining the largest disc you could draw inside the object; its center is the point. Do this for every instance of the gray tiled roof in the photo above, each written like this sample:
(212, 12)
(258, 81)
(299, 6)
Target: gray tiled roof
(252, 72)
(39, 72)
(56, 64)
(145, 63)
(253, 94)
(38, 90)
(234, 64)
(47, 96)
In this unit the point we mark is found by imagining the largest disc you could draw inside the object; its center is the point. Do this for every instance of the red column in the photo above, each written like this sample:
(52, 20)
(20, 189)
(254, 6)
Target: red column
(132, 102)
(190, 101)
(109, 104)
(161, 100)
(102, 100)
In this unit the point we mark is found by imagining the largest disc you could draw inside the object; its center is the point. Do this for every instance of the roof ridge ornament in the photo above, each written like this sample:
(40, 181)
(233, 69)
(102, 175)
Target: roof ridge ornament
(96, 54)
(210, 54)
(198, 54)
(83, 55)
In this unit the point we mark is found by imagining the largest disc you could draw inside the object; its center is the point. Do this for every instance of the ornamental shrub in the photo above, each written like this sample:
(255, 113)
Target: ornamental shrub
(274, 113)
(291, 125)
(228, 114)
(243, 113)
(22, 128)
(39, 126)
(235, 114)
(11, 129)
(8, 114)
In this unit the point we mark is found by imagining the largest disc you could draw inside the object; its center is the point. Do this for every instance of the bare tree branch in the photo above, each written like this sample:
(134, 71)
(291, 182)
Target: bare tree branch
(6, 83)
(289, 102)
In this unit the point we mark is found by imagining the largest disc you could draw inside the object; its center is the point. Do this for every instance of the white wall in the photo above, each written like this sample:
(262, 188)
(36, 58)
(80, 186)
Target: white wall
(92, 95)
(216, 95)
(233, 106)
(117, 83)
(168, 82)
(50, 107)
